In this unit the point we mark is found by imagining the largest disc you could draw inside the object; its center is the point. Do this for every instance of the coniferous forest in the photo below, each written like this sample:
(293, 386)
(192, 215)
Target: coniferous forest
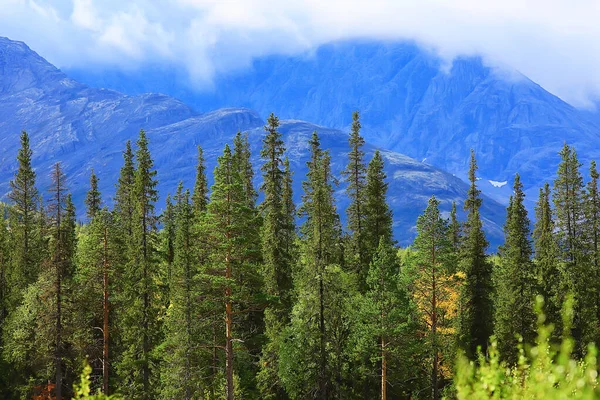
(236, 292)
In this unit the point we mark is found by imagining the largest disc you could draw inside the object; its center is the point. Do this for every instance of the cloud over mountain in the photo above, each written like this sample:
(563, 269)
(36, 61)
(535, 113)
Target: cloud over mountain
(557, 44)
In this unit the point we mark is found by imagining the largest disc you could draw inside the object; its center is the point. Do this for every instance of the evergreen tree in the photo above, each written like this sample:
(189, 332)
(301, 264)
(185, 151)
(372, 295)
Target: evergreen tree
(25, 235)
(200, 195)
(434, 289)
(93, 200)
(181, 375)
(321, 237)
(546, 259)
(231, 224)
(140, 326)
(571, 238)
(387, 317)
(124, 197)
(168, 233)
(476, 307)
(378, 216)
(355, 177)
(275, 247)
(515, 281)
(243, 166)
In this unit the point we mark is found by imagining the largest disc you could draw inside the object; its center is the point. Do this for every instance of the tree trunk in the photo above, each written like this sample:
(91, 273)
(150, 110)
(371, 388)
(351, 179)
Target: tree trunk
(323, 355)
(105, 307)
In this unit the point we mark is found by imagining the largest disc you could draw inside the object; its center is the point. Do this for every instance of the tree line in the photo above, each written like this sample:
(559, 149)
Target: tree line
(222, 296)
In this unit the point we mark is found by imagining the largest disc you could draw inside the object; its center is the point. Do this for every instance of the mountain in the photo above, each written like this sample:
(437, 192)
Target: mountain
(411, 102)
(86, 128)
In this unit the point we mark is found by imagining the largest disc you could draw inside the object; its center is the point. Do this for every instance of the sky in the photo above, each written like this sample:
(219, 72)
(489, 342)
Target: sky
(556, 43)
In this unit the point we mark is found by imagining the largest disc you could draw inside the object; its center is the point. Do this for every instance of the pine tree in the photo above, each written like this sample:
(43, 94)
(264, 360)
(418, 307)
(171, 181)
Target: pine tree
(233, 232)
(276, 261)
(476, 307)
(124, 197)
(168, 233)
(141, 333)
(454, 229)
(515, 281)
(24, 196)
(378, 216)
(355, 177)
(568, 201)
(200, 195)
(434, 289)
(546, 259)
(93, 200)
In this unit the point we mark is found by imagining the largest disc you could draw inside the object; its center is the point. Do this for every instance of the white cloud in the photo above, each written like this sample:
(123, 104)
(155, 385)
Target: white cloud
(554, 42)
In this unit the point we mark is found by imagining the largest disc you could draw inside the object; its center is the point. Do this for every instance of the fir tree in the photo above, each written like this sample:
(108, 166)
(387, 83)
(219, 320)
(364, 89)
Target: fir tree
(515, 281)
(378, 216)
(355, 177)
(200, 195)
(476, 307)
(93, 200)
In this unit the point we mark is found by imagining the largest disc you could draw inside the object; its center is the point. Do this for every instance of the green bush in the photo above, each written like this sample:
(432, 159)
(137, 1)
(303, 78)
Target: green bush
(543, 373)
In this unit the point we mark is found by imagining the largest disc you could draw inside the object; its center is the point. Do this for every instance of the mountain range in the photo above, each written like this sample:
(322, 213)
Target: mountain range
(86, 128)
(411, 101)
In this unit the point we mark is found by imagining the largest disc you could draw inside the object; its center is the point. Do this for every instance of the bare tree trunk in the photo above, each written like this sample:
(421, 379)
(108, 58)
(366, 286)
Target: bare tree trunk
(228, 337)
(58, 352)
(105, 306)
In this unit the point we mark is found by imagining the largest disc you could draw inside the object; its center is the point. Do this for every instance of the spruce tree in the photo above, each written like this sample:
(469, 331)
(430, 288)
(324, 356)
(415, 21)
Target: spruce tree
(276, 261)
(476, 307)
(378, 215)
(200, 195)
(546, 259)
(140, 328)
(515, 281)
(124, 197)
(355, 177)
(568, 196)
(93, 200)
(24, 197)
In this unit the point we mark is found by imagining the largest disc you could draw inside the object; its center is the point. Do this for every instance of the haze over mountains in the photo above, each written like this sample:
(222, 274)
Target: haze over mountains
(410, 102)
(86, 128)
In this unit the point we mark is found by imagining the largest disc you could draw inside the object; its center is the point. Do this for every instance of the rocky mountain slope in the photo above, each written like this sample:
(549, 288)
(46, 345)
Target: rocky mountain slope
(87, 128)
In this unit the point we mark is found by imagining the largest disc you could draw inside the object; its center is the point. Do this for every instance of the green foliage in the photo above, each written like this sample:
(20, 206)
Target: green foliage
(82, 390)
(542, 373)
(200, 194)
(93, 199)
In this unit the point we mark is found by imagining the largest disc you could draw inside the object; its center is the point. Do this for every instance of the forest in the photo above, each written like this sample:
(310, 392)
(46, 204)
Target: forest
(236, 292)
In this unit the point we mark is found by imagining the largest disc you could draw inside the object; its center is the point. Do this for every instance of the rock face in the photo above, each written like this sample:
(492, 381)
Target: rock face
(86, 128)
(411, 103)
